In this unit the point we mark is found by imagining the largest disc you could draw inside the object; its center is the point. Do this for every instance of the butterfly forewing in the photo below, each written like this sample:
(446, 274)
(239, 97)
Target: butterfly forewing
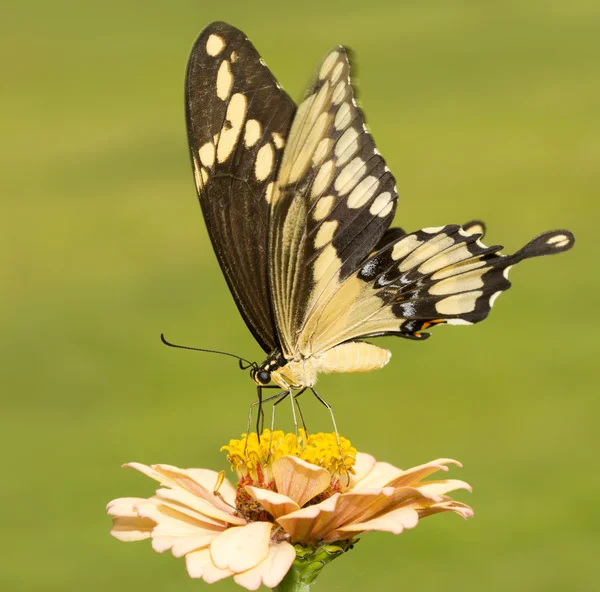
(238, 118)
(335, 199)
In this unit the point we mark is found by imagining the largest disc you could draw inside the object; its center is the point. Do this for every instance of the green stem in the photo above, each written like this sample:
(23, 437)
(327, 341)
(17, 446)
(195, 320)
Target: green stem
(308, 565)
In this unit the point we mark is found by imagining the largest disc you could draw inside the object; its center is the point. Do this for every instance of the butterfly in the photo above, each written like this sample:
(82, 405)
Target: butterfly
(298, 204)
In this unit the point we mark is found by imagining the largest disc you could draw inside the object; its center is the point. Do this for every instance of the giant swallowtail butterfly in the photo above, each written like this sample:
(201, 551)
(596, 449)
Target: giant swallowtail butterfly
(298, 203)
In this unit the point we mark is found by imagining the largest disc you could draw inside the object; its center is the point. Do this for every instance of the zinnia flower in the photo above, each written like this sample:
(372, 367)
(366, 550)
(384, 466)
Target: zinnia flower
(295, 497)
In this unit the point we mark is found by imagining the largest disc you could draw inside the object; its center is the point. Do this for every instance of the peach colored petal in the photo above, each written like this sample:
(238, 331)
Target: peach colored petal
(299, 480)
(274, 503)
(271, 571)
(128, 529)
(448, 505)
(379, 476)
(436, 488)
(149, 472)
(208, 479)
(240, 548)
(127, 526)
(200, 565)
(186, 481)
(205, 508)
(395, 522)
(302, 524)
(411, 476)
(362, 467)
(163, 514)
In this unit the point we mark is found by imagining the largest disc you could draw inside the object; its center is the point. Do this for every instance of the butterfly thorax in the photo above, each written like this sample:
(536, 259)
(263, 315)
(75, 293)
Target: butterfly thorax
(288, 374)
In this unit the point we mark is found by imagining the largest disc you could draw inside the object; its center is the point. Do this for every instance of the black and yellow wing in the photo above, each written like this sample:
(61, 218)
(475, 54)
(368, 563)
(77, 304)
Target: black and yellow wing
(237, 118)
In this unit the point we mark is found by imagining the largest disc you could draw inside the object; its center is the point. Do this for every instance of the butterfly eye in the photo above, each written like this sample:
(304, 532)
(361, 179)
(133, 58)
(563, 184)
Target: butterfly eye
(264, 377)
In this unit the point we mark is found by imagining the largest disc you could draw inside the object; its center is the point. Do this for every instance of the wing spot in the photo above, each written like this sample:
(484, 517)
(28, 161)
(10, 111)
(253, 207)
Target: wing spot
(214, 45)
(339, 93)
(264, 162)
(337, 72)
(323, 207)
(363, 192)
(328, 64)
(350, 175)
(323, 178)
(233, 57)
(204, 174)
(198, 176)
(342, 117)
(346, 146)
(325, 233)
(458, 304)
(456, 269)
(505, 272)
(322, 151)
(464, 282)
(445, 259)
(278, 140)
(386, 210)
(380, 203)
(252, 132)
(405, 246)
(236, 113)
(224, 80)
(432, 229)
(559, 240)
(428, 250)
(269, 192)
(207, 154)
(326, 259)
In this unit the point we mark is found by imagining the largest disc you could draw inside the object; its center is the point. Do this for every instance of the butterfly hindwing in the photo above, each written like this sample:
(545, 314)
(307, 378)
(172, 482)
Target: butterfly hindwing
(238, 119)
(335, 199)
(433, 276)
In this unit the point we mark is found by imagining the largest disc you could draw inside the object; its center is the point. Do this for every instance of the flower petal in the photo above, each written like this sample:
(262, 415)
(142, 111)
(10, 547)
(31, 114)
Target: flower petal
(274, 503)
(207, 478)
(442, 487)
(395, 522)
(379, 476)
(362, 467)
(448, 505)
(299, 480)
(411, 476)
(271, 571)
(127, 526)
(303, 525)
(240, 548)
(205, 508)
(200, 565)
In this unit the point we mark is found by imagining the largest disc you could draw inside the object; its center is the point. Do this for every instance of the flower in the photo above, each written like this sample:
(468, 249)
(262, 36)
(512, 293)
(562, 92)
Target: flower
(309, 491)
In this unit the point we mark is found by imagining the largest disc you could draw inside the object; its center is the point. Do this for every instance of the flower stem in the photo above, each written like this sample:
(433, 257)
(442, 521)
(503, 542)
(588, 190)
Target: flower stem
(308, 565)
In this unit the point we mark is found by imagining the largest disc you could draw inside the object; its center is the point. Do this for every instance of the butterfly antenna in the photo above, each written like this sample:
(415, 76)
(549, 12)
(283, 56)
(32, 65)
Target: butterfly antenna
(242, 361)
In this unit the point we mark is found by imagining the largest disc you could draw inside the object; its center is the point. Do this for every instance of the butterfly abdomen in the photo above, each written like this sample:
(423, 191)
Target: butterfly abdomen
(355, 356)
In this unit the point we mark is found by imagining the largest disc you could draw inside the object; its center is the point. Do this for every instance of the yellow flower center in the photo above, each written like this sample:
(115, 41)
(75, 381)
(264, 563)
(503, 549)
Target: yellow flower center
(252, 456)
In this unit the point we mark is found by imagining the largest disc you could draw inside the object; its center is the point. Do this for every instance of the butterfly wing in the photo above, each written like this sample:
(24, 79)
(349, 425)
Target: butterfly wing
(335, 198)
(430, 277)
(237, 118)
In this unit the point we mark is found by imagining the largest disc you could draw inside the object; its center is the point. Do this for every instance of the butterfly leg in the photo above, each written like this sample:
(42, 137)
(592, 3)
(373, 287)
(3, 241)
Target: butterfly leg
(259, 402)
(337, 434)
(300, 411)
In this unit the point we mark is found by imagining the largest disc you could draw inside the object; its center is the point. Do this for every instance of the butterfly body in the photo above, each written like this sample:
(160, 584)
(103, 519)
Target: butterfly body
(298, 203)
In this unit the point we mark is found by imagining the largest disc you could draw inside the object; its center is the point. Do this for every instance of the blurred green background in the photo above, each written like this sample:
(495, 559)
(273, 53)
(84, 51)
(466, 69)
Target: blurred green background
(485, 110)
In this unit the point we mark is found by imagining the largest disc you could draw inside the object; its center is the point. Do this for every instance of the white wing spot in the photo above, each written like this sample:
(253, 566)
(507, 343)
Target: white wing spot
(252, 132)
(198, 176)
(386, 210)
(337, 72)
(465, 282)
(325, 233)
(405, 246)
(430, 248)
(328, 64)
(269, 191)
(224, 81)
(363, 192)
(207, 154)
(214, 45)
(236, 113)
(323, 179)
(505, 272)
(322, 151)
(346, 146)
(458, 322)
(432, 229)
(204, 174)
(264, 162)
(342, 117)
(381, 202)
(323, 207)
(339, 93)
(458, 304)
(233, 57)
(278, 140)
(350, 175)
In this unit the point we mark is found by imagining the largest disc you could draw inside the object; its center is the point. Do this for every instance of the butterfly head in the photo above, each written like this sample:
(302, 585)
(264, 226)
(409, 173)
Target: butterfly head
(262, 374)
